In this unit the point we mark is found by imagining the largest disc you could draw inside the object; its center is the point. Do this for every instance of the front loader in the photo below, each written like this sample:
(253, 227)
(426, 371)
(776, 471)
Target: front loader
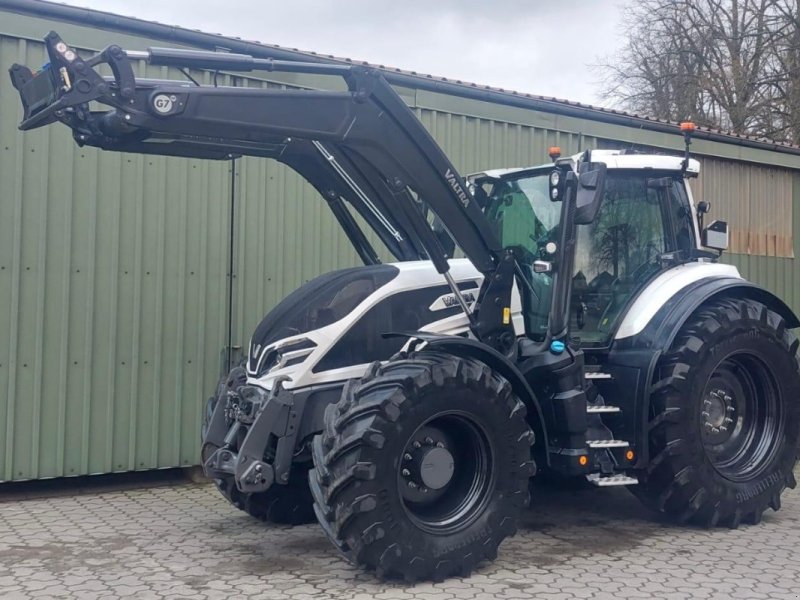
(589, 332)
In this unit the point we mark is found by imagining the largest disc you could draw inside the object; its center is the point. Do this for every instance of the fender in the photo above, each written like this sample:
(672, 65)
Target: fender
(649, 300)
(667, 321)
(632, 360)
(469, 348)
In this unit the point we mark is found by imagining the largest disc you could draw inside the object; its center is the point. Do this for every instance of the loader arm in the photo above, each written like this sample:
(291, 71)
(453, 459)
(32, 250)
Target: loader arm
(321, 166)
(367, 128)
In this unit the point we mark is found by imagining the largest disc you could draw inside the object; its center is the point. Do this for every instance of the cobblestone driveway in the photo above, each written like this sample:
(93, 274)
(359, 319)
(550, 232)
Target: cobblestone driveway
(184, 541)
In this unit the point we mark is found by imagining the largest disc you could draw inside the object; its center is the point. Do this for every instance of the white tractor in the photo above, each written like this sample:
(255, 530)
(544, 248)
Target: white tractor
(590, 330)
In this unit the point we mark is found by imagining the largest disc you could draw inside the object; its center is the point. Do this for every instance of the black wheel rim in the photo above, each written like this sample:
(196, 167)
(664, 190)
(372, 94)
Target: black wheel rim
(741, 419)
(446, 475)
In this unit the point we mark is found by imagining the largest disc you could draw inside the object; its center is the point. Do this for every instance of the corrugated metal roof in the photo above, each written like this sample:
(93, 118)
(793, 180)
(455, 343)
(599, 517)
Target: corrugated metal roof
(183, 35)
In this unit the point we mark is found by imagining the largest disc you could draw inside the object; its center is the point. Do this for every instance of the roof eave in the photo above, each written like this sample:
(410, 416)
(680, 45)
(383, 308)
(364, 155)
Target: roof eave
(211, 41)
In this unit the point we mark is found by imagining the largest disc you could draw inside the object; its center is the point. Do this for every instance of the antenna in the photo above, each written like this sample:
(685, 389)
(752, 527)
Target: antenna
(687, 128)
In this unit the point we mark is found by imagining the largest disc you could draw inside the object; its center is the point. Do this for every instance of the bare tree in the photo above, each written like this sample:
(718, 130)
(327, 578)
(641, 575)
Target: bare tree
(726, 63)
(782, 121)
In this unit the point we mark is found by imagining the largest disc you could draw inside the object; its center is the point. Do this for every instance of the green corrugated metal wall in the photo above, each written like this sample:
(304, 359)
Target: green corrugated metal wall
(112, 288)
(780, 275)
(114, 268)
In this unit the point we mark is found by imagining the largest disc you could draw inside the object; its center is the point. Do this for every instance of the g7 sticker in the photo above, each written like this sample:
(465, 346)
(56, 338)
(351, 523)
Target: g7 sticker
(163, 103)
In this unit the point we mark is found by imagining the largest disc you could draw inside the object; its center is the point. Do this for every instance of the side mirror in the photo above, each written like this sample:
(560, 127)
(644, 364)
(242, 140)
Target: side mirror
(716, 236)
(590, 192)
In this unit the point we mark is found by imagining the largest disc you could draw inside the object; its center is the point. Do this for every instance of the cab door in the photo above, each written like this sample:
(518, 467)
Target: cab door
(643, 221)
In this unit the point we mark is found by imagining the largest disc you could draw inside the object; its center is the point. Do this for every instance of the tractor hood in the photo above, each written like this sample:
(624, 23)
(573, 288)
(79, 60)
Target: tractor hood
(321, 302)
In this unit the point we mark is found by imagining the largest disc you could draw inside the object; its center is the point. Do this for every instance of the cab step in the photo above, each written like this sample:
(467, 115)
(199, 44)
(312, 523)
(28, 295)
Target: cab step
(603, 408)
(607, 444)
(609, 480)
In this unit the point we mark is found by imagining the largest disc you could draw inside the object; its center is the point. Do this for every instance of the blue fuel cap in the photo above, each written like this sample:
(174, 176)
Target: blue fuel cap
(557, 346)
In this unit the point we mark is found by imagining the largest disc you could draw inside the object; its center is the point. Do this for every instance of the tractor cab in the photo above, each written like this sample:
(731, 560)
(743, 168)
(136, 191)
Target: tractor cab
(646, 224)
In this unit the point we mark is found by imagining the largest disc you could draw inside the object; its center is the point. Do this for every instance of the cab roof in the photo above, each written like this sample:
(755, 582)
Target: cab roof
(614, 159)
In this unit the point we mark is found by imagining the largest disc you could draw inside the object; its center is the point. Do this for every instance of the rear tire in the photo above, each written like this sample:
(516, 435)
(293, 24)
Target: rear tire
(423, 466)
(725, 417)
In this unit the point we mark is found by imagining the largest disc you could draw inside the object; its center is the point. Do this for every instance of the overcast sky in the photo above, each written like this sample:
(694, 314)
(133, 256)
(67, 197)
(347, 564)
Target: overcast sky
(543, 47)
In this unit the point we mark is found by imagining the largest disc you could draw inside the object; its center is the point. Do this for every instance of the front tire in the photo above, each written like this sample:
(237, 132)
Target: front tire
(289, 504)
(725, 417)
(423, 467)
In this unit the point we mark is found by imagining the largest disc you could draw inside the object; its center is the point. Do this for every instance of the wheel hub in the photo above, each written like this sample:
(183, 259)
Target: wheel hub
(436, 468)
(740, 416)
(428, 464)
(444, 476)
(719, 414)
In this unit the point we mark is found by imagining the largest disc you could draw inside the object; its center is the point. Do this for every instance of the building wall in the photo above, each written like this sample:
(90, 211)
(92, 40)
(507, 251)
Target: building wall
(781, 275)
(112, 299)
(114, 269)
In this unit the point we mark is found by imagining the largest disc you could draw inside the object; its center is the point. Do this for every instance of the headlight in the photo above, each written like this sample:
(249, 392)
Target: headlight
(555, 180)
(285, 355)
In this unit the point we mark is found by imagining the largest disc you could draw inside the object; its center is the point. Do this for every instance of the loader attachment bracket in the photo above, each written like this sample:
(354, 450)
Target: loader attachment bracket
(68, 81)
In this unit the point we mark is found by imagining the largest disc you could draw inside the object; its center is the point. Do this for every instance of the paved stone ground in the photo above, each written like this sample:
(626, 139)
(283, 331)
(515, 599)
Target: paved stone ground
(185, 541)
